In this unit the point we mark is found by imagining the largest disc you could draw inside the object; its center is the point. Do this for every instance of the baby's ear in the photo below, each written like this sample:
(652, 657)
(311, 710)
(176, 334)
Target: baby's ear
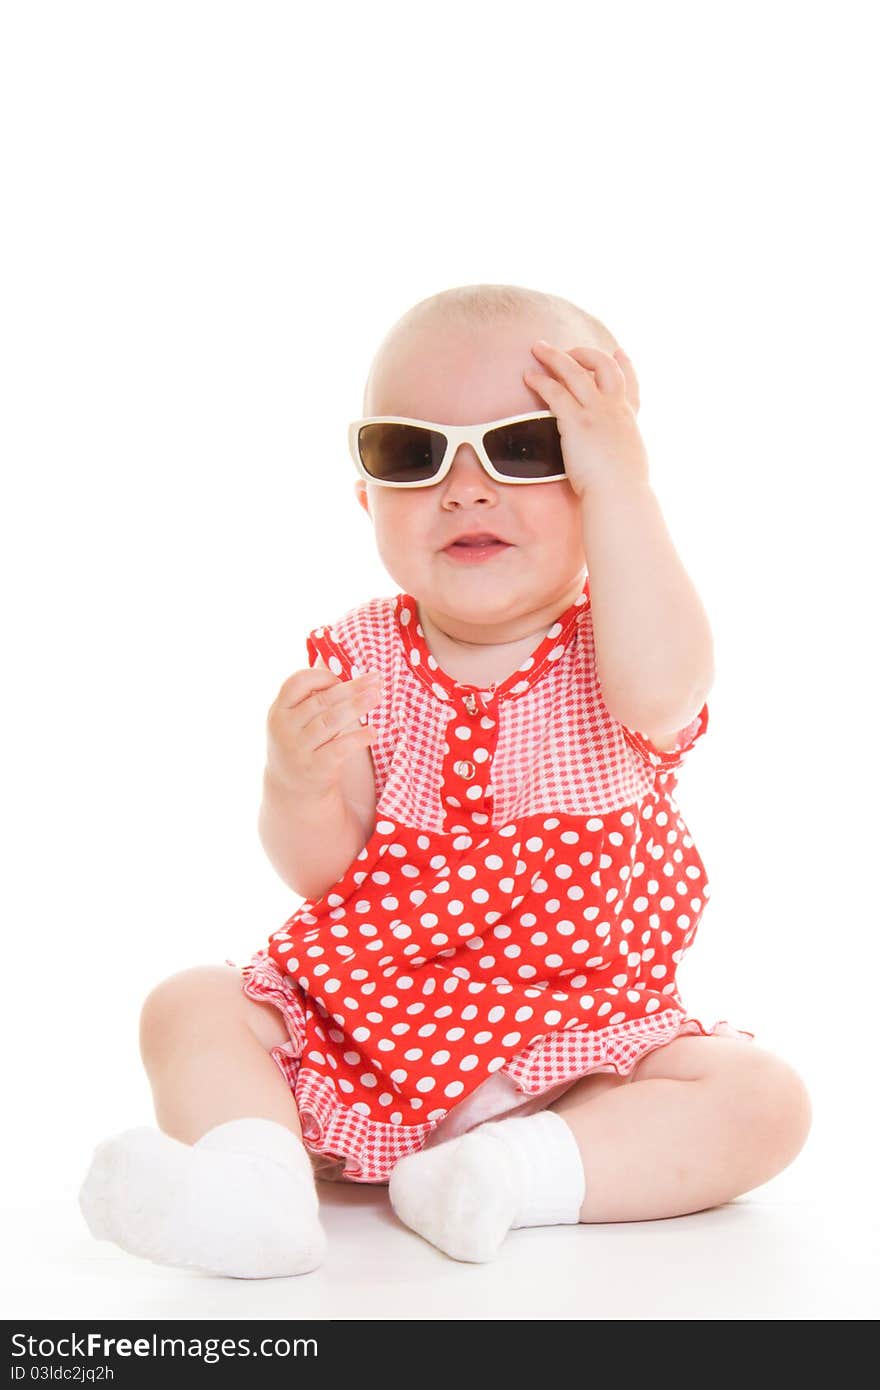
(360, 489)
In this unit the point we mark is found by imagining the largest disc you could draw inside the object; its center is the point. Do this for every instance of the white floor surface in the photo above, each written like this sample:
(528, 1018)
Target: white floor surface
(773, 1254)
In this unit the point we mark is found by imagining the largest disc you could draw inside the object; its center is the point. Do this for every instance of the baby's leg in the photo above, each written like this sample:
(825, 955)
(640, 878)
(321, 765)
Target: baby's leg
(205, 1046)
(705, 1120)
(701, 1120)
(225, 1185)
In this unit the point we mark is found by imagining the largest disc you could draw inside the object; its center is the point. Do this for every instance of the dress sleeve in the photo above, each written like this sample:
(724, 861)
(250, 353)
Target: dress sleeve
(671, 757)
(327, 643)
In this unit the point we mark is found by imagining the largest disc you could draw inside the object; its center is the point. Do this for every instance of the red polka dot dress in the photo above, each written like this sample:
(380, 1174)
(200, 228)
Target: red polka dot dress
(514, 922)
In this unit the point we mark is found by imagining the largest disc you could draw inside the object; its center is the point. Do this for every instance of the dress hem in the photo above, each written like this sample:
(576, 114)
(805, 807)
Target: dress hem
(335, 1134)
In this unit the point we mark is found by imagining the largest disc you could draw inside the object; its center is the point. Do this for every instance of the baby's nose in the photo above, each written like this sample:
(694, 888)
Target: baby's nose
(467, 474)
(466, 459)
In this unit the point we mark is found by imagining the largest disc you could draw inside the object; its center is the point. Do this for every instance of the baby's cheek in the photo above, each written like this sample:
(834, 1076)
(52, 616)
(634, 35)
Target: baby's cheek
(399, 518)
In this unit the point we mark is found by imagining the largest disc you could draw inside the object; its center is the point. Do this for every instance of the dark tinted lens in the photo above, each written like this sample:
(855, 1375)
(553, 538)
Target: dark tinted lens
(527, 449)
(398, 453)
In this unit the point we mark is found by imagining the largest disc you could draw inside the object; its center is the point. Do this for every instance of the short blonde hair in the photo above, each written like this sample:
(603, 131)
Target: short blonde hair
(487, 304)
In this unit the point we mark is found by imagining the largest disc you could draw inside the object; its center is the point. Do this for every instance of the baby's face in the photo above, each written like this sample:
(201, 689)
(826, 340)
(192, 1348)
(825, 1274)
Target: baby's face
(457, 376)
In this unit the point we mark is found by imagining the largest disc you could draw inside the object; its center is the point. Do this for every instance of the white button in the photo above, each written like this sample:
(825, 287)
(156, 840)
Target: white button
(465, 769)
(470, 703)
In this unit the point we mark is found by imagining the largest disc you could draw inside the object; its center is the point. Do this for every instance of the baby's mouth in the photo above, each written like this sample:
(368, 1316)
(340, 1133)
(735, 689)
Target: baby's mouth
(477, 545)
(477, 540)
(475, 550)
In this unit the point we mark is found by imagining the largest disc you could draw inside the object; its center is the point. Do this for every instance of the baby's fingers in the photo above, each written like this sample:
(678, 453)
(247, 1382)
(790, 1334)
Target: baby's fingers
(629, 376)
(302, 684)
(328, 713)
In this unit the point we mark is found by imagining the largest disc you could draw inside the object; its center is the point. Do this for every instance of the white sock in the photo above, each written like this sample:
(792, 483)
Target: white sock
(466, 1194)
(241, 1201)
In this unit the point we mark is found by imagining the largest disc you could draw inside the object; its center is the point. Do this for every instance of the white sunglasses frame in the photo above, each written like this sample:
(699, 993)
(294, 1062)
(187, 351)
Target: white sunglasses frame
(455, 436)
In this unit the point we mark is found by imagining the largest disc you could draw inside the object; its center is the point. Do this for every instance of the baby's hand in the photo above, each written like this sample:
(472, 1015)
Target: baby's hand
(312, 728)
(594, 397)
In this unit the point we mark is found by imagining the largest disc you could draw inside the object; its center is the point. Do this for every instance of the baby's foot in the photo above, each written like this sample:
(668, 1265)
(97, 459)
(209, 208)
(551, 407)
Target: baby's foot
(465, 1194)
(460, 1195)
(241, 1201)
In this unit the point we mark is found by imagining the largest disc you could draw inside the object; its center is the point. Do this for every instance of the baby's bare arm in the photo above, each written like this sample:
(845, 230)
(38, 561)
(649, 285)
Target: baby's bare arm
(310, 842)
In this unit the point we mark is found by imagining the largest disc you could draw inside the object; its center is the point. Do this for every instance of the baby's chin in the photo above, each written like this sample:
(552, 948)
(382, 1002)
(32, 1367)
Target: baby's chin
(518, 580)
(478, 596)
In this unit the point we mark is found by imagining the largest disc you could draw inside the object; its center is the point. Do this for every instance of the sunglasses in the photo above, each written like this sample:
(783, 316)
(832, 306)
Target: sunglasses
(394, 451)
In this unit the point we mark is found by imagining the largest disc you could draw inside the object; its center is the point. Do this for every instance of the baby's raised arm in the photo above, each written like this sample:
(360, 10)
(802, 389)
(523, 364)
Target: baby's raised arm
(315, 817)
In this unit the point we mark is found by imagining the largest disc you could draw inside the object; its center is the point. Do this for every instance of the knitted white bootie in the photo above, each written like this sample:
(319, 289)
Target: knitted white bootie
(241, 1201)
(464, 1195)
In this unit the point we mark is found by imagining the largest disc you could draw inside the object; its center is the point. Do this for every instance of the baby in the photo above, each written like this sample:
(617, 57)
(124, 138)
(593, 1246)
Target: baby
(476, 1002)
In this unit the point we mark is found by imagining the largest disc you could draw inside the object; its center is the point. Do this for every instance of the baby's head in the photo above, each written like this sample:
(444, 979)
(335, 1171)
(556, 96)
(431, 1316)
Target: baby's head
(458, 358)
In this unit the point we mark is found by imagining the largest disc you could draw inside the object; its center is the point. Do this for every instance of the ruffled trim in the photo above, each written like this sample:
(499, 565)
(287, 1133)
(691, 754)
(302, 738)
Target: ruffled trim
(370, 1149)
(575, 1052)
(665, 759)
(263, 981)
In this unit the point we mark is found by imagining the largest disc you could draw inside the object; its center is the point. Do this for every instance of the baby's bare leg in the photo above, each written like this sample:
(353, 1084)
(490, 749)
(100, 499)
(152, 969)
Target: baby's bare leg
(702, 1120)
(226, 1184)
(205, 1046)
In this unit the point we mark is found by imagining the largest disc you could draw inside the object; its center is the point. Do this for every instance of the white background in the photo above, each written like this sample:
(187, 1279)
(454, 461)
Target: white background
(212, 215)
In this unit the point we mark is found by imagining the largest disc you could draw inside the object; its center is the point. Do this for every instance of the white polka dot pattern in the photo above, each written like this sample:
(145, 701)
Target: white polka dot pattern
(522, 905)
(370, 1148)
